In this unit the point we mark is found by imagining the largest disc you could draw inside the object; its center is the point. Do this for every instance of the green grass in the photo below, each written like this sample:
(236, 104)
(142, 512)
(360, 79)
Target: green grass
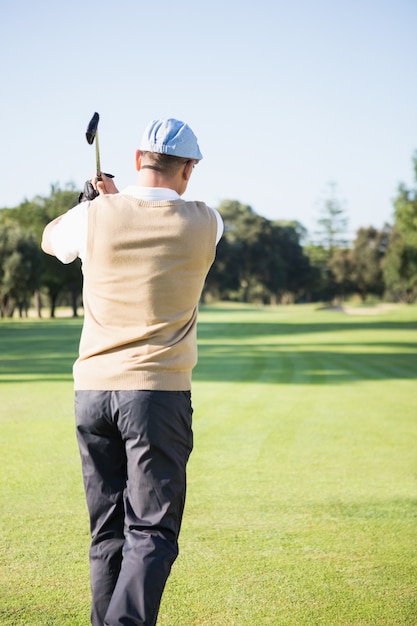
(301, 505)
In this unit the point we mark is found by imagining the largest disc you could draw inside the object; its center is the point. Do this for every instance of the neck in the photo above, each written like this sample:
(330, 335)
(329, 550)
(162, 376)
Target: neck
(150, 176)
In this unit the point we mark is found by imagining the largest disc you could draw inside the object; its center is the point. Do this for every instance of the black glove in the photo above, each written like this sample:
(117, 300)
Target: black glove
(89, 193)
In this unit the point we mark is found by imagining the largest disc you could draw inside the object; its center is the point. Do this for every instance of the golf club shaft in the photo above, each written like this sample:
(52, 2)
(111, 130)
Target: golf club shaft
(98, 166)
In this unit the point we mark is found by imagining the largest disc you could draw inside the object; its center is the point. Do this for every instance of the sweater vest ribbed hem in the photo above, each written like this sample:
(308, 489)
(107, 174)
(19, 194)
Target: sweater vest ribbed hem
(87, 380)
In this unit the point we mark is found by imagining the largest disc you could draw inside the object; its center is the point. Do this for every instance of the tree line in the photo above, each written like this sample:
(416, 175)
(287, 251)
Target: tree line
(258, 260)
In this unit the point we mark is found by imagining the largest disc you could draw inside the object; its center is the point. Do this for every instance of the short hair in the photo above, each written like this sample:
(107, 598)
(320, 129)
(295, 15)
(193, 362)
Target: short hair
(164, 163)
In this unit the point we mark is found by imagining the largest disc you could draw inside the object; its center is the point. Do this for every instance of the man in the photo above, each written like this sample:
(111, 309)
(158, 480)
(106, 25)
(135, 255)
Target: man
(145, 255)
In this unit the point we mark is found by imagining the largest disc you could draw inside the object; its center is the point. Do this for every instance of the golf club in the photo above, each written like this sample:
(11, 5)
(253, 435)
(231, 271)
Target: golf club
(89, 193)
(91, 134)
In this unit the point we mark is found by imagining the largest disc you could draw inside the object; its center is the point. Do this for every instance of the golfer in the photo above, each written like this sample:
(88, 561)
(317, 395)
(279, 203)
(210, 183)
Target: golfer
(145, 255)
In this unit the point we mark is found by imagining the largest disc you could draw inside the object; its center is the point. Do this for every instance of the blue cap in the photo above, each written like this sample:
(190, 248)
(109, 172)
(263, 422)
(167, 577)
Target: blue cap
(170, 137)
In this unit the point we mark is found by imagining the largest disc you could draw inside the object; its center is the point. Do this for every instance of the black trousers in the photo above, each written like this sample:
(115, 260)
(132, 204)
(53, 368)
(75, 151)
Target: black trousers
(134, 448)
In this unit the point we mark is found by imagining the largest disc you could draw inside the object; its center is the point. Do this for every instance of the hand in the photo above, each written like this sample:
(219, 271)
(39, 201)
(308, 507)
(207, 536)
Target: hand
(94, 187)
(105, 185)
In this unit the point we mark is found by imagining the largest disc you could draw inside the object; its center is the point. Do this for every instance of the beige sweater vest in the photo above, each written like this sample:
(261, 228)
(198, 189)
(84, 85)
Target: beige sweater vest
(144, 272)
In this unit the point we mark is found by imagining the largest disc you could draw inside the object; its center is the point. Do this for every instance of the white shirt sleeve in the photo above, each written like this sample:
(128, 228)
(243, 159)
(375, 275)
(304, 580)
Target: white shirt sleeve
(220, 224)
(69, 236)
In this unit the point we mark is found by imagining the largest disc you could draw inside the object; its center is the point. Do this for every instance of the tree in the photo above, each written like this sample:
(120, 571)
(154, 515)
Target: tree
(341, 268)
(400, 269)
(238, 253)
(367, 254)
(224, 279)
(400, 264)
(20, 263)
(320, 285)
(324, 251)
(332, 225)
(62, 280)
(32, 216)
(287, 237)
(257, 260)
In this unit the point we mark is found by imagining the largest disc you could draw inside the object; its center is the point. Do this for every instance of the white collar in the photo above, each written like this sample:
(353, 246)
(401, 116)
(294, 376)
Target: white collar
(151, 193)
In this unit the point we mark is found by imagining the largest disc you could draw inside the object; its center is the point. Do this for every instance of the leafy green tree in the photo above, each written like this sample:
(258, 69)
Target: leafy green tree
(400, 269)
(20, 263)
(341, 267)
(59, 281)
(296, 271)
(400, 263)
(34, 214)
(367, 254)
(235, 269)
(321, 285)
(266, 269)
(224, 279)
(257, 259)
(62, 281)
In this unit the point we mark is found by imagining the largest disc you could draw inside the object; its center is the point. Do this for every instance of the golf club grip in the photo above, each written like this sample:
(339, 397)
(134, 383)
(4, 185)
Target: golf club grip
(101, 174)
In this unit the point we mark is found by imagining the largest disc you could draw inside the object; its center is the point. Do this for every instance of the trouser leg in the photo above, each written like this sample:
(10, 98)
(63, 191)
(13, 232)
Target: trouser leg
(103, 461)
(138, 443)
(156, 428)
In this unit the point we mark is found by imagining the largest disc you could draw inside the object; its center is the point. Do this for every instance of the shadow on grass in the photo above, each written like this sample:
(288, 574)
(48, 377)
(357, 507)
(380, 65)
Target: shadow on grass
(265, 329)
(46, 349)
(41, 350)
(275, 365)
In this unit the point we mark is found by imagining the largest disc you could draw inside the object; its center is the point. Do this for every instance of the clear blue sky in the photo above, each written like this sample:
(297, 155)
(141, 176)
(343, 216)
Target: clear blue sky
(285, 97)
